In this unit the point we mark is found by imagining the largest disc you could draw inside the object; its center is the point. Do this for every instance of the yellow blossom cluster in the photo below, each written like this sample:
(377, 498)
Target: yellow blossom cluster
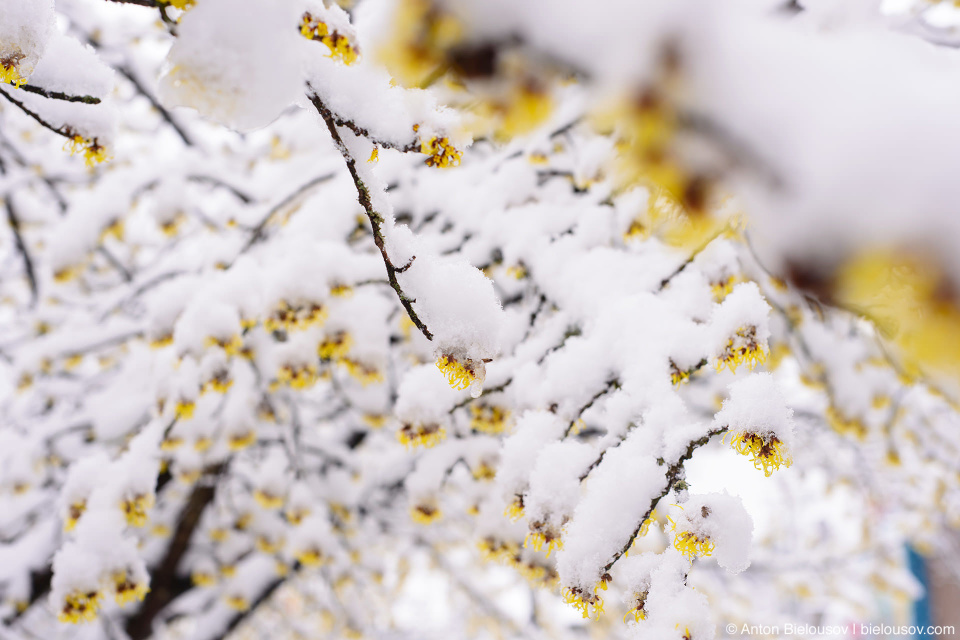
(341, 49)
(267, 499)
(742, 348)
(80, 606)
(637, 611)
(364, 373)
(767, 453)
(93, 152)
(335, 346)
(421, 435)
(459, 375)
(231, 345)
(127, 590)
(10, 71)
(426, 513)
(514, 510)
(76, 510)
(295, 317)
(311, 557)
(296, 377)
(442, 153)
(537, 540)
(589, 604)
(691, 545)
(135, 509)
(488, 418)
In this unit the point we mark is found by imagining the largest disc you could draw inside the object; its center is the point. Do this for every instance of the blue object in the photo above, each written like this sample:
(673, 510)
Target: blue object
(921, 607)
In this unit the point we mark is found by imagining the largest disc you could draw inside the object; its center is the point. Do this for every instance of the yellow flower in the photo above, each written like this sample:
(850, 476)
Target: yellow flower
(584, 602)
(484, 471)
(421, 435)
(237, 602)
(364, 373)
(311, 557)
(691, 545)
(293, 318)
(767, 453)
(268, 500)
(10, 72)
(743, 348)
(93, 152)
(459, 376)
(495, 550)
(163, 341)
(722, 288)
(342, 290)
(135, 509)
(537, 539)
(514, 510)
(375, 155)
(638, 612)
(374, 420)
(231, 345)
(219, 534)
(127, 591)
(114, 229)
(302, 377)
(488, 418)
(296, 516)
(203, 579)
(219, 383)
(171, 443)
(203, 443)
(340, 48)
(844, 425)
(442, 153)
(76, 510)
(239, 441)
(426, 513)
(266, 545)
(335, 347)
(184, 409)
(80, 606)
(66, 274)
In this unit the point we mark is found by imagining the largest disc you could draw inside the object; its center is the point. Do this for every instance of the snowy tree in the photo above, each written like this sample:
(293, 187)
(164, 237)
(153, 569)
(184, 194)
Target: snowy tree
(410, 317)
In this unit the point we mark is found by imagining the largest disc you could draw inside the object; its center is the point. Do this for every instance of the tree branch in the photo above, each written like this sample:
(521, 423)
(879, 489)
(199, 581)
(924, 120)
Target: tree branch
(674, 473)
(57, 95)
(60, 131)
(376, 220)
(14, 221)
(165, 584)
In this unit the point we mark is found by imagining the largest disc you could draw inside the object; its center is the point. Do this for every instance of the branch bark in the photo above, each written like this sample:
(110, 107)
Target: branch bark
(376, 220)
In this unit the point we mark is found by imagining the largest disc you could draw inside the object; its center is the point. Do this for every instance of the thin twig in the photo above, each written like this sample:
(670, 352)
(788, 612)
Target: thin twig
(14, 221)
(57, 95)
(376, 220)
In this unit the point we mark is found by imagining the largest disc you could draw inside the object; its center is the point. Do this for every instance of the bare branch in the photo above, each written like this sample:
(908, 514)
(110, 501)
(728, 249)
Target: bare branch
(376, 220)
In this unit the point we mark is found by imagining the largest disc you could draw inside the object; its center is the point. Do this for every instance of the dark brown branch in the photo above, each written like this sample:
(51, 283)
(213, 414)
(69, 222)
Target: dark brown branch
(263, 597)
(60, 131)
(258, 234)
(360, 132)
(673, 475)
(610, 386)
(140, 3)
(376, 220)
(14, 221)
(57, 95)
(165, 583)
(142, 90)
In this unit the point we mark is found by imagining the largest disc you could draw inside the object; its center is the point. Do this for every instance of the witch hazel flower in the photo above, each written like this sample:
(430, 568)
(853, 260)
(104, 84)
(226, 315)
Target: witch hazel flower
(714, 525)
(740, 329)
(758, 421)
